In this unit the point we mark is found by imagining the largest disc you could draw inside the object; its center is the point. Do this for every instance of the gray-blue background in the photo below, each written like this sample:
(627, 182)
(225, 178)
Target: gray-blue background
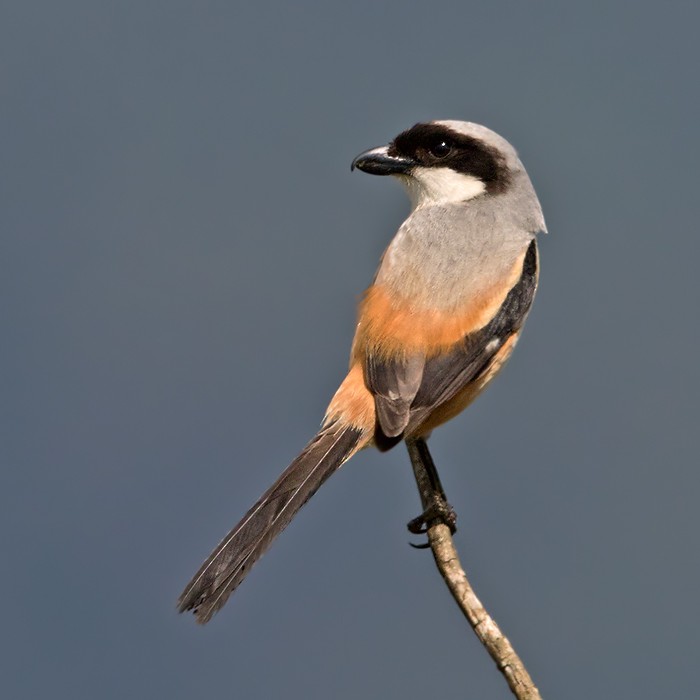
(182, 245)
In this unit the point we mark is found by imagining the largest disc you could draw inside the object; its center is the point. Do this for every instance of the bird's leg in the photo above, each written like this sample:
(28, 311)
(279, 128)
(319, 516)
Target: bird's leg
(432, 495)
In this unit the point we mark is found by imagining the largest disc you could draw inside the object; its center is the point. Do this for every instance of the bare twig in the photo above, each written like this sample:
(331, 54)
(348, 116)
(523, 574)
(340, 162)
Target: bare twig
(447, 560)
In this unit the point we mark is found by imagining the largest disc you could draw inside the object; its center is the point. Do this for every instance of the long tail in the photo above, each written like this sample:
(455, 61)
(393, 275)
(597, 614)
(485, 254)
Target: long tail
(229, 563)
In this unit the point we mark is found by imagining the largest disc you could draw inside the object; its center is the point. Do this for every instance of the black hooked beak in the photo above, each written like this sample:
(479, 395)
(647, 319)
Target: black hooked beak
(377, 161)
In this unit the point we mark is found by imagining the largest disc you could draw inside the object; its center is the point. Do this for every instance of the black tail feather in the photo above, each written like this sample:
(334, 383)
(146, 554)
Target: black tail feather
(231, 561)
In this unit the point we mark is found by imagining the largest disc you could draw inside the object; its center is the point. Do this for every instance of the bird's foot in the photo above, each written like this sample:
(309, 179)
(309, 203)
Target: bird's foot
(440, 511)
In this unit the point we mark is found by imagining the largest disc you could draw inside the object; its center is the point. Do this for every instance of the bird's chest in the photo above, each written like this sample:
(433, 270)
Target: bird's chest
(434, 270)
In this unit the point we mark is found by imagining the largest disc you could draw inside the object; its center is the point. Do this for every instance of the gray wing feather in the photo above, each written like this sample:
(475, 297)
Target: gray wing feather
(394, 384)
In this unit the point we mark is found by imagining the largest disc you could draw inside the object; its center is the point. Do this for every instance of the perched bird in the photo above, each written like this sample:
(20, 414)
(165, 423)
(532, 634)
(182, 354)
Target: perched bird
(440, 319)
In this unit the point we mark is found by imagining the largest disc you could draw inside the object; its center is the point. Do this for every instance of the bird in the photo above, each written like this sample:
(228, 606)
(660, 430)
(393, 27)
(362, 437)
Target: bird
(439, 320)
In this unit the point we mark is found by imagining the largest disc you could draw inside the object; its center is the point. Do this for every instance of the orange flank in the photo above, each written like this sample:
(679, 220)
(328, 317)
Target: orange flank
(391, 327)
(353, 403)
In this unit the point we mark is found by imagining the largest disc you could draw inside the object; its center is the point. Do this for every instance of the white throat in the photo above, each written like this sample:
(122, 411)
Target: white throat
(430, 186)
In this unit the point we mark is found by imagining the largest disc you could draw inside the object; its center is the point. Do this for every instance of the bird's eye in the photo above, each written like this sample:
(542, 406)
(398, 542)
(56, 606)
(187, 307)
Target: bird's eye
(440, 149)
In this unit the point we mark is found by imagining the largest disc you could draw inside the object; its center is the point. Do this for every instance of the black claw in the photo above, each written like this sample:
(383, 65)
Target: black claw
(417, 526)
(439, 512)
(425, 545)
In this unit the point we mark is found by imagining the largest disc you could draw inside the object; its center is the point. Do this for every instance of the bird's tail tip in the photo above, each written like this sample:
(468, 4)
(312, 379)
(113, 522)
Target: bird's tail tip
(230, 562)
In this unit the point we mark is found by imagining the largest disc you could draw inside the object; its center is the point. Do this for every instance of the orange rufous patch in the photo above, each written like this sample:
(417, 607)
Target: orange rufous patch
(390, 326)
(353, 403)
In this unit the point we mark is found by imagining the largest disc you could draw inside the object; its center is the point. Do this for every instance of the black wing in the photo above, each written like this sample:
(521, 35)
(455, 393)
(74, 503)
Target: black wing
(394, 384)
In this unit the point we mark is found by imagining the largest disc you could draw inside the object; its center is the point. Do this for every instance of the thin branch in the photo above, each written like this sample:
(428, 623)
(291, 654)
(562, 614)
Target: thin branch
(447, 561)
